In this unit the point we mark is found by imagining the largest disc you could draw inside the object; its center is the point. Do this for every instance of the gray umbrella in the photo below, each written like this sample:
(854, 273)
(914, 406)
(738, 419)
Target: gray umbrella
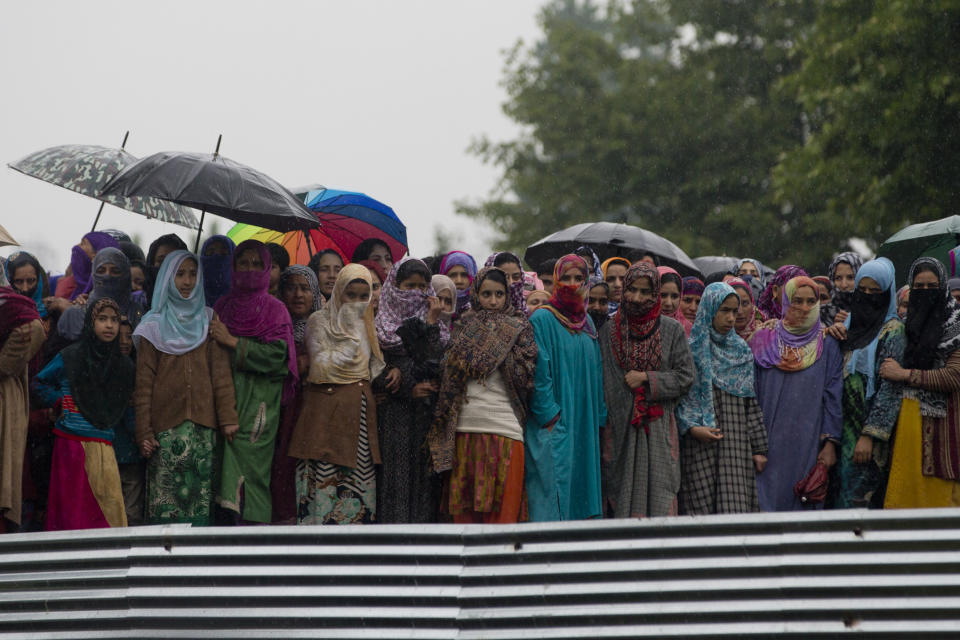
(712, 264)
(87, 168)
(609, 239)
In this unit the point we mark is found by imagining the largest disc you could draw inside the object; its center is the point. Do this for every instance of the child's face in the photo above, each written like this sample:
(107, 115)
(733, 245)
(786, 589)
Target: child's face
(186, 278)
(492, 295)
(106, 325)
(126, 339)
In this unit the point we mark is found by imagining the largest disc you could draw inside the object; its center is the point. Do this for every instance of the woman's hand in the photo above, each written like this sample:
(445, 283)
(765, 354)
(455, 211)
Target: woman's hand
(222, 335)
(759, 462)
(433, 311)
(148, 446)
(837, 330)
(55, 304)
(424, 389)
(635, 379)
(828, 454)
(706, 434)
(230, 431)
(863, 452)
(891, 370)
(841, 316)
(81, 299)
(392, 380)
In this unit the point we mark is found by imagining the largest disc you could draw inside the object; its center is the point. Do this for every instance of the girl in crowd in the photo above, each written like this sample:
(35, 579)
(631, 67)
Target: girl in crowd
(159, 249)
(825, 287)
(510, 264)
(870, 404)
(671, 286)
(184, 396)
(21, 336)
(111, 279)
(408, 491)
(279, 260)
(335, 440)
(216, 258)
(536, 300)
(647, 368)
(461, 268)
(374, 250)
(690, 300)
(326, 265)
(749, 317)
(770, 300)
(300, 292)
(925, 470)
(614, 270)
(903, 302)
(447, 295)
(562, 432)
(477, 432)
(598, 303)
(842, 273)
(724, 441)
(378, 275)
(799, 388)
(256, 329)
(93, 381)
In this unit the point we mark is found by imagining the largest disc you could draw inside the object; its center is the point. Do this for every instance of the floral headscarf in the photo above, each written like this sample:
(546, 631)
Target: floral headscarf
(770, 306)
(300, 324)
(397, 305)
(569, 303)
(796, 342)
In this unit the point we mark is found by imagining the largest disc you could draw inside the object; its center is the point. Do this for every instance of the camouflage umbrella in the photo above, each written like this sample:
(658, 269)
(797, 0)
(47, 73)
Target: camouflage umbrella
(87, 168)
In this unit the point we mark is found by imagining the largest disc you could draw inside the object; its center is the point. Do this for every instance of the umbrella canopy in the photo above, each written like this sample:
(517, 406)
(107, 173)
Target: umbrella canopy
(6, 239)
(712, 264)
(933, 239)
(611, 239)
(215, 184)
(300, 246)
(87, 168)
(349, 217)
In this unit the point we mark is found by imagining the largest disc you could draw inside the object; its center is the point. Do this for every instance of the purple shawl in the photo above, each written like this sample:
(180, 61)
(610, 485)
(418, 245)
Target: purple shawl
(82, 265)
(396, 305)
(250, 311)
(767, 304)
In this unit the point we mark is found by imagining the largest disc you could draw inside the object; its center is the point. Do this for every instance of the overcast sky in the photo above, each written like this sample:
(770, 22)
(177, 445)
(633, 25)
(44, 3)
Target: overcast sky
(375, 96)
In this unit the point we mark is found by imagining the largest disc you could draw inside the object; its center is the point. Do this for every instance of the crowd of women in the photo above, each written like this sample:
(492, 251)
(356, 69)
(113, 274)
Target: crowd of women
(231, 387)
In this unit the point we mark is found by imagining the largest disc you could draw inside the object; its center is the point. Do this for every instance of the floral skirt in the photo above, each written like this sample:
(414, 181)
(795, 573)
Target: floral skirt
(331, 494)
(180, 476)
(486, 482)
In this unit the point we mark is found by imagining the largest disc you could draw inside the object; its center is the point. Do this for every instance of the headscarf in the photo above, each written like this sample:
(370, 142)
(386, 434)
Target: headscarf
(117, 288)
(248, 310)
(3, 272)
(131, 250)
(19, 259)
(667, 273)
(756, 263)
(756, 317)
(796, 342)
(841, 299)
(484, 341)
(635, 339)
(609, 261)
(174, 324)
(692, 286)
(459, 259)
(514, 289)
(953, 254)
(15, 310)
(377, 269)
(542, 294)
(771, 307)
(933, 320)
(341, 337)
(101, 378)
(531, 283)
(596, 272)
(397, 305)
(722, 360)
(170, 239)
(443, 283)
(902, 291)
(81, 265)
(300, 324)
(216, 269)
(868, 314)
(825, 281)
(569, 303)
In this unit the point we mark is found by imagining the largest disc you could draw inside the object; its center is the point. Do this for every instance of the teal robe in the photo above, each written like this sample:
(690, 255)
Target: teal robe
(563, 464)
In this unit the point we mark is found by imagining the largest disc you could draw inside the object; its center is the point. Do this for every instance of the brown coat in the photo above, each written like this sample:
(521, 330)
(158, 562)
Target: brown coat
(329, 425)
(195, 386)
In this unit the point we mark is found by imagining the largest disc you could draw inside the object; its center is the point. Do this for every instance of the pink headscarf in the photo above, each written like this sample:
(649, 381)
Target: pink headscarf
(676, 315)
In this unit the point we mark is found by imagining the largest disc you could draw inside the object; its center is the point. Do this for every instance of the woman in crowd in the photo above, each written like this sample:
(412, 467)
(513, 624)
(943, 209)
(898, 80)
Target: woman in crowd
(614, 270)
(647, 369)
(462, 269)
(671, 286)
(326, 264)
(724, 441)
(374, 250)
(751, 272)
(749, 317)
(903, 302)
(842, 274)
(598, 303)
(111, 279)
(770, 300)
(477, 432)
(216, 260)
(256, 329)
(562, 432)
(925, 470)
(690, 300)
(29, 279)
(447, 295)
(825, 288)
(378, 275)
(799, 388)
(93, 382)
(184, 396)
(412, 339)
(536, 300)
(159, 249)
(80, 274)
(872, 334)
(335, 441)
(510, 264)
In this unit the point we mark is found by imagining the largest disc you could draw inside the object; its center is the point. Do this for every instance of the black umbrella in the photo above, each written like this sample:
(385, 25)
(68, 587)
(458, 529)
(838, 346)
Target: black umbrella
(210, 182)
(609, 239)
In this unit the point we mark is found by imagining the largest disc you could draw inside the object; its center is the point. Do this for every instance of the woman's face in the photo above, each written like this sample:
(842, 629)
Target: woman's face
(137, 278)
(869, 286)
(250, 260)
(217, 248)
(745, 311)
(492, 295)
(106, 325)
(108, 269)
(748, 269)
(162, 252)
(24, 279)
(381, 255)
(669, 298)
(375, 288)
(87, 248)
(726, 316)
(513, 271)
(446, 300)
(689, 305)
(126, 339)
(925, 280)
(801, 304)
(327, 270)
(844, 279)
(415, 281)
(356, 291)
(824, 293)
(640, 291)
(573, 277)
(460, 278)
(615, 274)
(186, 278)
(297, 295)
(597, 299)
(537, 299)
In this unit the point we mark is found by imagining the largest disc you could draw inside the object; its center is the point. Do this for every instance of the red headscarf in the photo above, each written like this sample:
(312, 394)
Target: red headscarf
(569, 303)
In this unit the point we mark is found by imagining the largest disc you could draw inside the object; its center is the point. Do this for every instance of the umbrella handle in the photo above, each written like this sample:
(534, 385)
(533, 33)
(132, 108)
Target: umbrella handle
(196, 245)
(97, 219)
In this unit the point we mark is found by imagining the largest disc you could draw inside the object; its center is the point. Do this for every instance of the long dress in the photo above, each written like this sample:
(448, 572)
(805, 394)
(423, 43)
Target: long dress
(641, 468)
(800, 409)
(259, 370)
(562, 464)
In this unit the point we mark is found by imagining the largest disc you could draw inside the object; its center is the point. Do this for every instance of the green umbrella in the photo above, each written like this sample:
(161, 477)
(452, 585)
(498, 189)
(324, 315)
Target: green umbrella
(934, 239)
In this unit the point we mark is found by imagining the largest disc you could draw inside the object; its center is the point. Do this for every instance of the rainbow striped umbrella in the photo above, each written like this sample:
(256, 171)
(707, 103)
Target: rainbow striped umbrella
(300, 245)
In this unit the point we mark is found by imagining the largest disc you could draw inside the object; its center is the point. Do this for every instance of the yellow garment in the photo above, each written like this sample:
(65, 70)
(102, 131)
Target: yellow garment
(907, 487)
(103, 474)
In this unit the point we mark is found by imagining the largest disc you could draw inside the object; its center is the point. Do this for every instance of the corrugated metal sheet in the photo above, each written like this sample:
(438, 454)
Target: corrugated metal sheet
(821, 575)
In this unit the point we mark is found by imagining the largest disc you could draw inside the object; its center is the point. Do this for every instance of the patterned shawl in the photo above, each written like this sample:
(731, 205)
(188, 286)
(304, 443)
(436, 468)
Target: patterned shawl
(796, 341)
(722, 360)
(397, 305)
(459, 259)
(569, 303)
(666, 273)
(300, 324)
(176, 325)
(483, 341)
(768, 304)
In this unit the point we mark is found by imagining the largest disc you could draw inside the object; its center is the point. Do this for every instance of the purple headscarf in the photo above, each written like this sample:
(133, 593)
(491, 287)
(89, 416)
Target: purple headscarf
(250, 311)
(397, 305)
(767, 304)
(692, 286)
(465, 260)
(82, 265)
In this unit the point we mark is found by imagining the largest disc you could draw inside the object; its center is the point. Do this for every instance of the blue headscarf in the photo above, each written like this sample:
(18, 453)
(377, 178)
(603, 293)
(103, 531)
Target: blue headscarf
(864, 360)
(20, 259)
(216, 269)
(721, 360)
(176, 325)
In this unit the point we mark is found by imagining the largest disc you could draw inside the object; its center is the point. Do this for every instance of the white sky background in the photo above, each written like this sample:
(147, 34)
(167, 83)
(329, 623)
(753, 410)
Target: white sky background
(375, 96)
